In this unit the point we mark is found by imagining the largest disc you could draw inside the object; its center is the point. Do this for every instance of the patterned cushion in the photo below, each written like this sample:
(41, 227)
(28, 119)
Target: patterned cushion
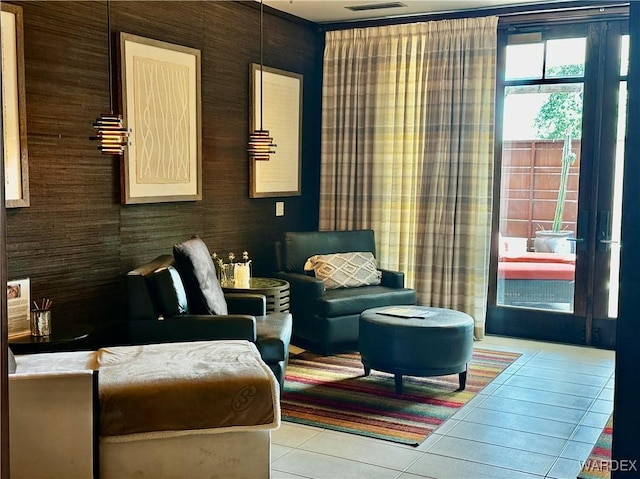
(345, 270)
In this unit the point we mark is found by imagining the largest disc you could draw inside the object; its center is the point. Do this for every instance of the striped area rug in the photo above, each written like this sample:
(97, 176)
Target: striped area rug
(598, 465)
(332, 392)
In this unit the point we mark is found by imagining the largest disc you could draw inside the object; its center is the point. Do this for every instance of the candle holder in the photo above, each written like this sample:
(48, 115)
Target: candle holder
(242, 274)
(227, 277)
(233, 274)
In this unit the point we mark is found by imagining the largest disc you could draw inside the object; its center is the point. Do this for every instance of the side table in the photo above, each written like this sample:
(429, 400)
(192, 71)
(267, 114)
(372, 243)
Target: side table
(276, 291)
(62, 338)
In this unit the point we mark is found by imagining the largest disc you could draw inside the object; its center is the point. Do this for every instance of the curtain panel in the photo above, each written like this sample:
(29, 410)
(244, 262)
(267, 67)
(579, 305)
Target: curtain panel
(407, 150)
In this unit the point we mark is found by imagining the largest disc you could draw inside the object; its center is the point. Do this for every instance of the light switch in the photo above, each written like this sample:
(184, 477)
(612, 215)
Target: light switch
(279, 208)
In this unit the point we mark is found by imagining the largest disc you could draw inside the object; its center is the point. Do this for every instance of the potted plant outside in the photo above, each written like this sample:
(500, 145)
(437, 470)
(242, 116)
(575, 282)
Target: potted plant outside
(557, 240)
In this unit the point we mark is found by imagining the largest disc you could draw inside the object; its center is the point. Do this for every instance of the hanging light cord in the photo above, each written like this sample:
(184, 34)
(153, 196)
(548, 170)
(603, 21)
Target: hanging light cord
(261, 61)
(260, 143)
(109, 56)
(113, 137)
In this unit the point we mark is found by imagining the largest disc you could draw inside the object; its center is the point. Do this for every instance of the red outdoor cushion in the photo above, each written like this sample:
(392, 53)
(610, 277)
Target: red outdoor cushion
(533, 257)
(530, 270)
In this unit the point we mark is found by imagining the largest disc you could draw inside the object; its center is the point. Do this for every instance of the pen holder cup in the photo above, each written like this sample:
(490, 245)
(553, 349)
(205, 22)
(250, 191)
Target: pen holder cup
(40, 322)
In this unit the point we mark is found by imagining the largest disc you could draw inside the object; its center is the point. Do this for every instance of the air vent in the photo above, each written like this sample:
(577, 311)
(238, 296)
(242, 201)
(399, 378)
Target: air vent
(375, 6)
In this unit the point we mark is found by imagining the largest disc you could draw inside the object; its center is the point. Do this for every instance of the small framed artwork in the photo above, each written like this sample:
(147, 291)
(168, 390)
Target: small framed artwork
(18, 307)
(14, 110)
(282, 115)
(161, 105)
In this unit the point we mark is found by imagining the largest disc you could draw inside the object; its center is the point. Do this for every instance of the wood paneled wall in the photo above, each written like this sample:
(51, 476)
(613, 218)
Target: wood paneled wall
(77, 241)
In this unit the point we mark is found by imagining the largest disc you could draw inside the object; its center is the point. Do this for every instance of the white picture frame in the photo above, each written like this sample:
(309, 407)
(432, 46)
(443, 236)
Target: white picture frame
(162, 107)
(282, 116)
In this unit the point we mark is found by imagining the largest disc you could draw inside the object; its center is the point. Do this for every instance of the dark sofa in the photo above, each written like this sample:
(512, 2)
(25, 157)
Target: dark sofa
(159, 311)
(329, 318)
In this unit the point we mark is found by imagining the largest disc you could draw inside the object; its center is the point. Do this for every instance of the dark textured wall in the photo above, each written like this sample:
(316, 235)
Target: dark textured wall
(76, 241)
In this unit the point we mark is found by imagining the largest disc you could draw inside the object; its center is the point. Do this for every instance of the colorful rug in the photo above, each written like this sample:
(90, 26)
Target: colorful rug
(598, 464)
(332, 392)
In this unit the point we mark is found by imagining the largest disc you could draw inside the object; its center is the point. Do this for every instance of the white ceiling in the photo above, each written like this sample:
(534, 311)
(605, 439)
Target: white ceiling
(328, 11)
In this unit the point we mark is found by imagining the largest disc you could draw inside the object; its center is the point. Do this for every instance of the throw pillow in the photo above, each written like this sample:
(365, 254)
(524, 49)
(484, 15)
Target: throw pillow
(198, 273)
(346, 270)
(11, 362)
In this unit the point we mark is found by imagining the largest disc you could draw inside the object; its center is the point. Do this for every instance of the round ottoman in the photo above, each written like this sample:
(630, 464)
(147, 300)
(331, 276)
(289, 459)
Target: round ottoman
(432, 342)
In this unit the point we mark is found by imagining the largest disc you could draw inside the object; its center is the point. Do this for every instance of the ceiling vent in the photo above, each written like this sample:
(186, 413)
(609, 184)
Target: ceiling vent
(375, 6)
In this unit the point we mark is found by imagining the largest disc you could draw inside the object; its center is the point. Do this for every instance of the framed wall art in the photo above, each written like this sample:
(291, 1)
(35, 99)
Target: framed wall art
(161, 105)
(14, 110)
(18, 307)
(282, 116)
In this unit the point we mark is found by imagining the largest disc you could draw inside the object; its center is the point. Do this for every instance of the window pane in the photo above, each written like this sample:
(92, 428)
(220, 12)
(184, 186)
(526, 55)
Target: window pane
(616, 220)
(547, 112)
(524, 61)
(523, 105)
(565, 58)
(539, 183)
(624, 55)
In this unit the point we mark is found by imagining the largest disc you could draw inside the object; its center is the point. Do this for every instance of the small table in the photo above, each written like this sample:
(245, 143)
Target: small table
(438, 344)
(276, 291)
(61, 336)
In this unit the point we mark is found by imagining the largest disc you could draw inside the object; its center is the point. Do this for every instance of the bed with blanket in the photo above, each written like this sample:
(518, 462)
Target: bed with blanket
(171, 410)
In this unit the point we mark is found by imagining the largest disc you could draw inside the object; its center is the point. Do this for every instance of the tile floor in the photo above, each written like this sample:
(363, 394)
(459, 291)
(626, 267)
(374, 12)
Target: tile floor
(539, 418)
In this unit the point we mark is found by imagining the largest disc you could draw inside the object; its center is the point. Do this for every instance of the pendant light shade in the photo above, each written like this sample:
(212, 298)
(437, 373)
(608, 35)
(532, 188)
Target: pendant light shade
(261, 145)
(110, 132)
(260, 141)
(113, 137)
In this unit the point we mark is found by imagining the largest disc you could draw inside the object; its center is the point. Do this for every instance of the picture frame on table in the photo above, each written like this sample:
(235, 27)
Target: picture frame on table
(161, 104)
(14, 111)
(18, 307)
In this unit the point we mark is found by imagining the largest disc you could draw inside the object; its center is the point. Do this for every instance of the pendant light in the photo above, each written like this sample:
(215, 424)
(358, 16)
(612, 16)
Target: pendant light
(111, 134)
(260, 143)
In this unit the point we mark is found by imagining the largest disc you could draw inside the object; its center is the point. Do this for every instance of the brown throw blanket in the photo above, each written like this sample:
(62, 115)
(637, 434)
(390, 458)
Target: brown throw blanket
(185, 387)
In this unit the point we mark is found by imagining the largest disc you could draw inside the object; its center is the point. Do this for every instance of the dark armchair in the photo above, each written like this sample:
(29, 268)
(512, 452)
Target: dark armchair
(161, 310)
(329, 317)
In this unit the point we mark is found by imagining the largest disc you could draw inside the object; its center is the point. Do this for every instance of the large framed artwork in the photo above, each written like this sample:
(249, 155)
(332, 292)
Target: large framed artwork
(161, 105)
(14, 110)
(282, 116)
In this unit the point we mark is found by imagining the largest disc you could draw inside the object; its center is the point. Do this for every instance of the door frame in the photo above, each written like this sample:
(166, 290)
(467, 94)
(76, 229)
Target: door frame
(579, 327)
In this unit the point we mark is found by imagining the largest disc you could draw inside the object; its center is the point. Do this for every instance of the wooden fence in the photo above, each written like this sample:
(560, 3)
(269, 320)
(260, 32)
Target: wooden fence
(529, 187)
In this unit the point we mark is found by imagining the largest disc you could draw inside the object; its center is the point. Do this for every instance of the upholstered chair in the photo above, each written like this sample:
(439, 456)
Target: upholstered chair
(179, 298)
(341, 279)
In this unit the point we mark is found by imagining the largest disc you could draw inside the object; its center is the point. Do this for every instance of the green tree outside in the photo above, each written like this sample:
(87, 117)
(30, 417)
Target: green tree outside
(562, 112)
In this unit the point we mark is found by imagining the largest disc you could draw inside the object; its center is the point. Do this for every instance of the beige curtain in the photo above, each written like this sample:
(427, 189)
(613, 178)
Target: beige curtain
(407, 150)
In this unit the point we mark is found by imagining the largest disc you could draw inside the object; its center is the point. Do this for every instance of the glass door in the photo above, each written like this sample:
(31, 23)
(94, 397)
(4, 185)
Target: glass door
(605, 248)
(556, 248)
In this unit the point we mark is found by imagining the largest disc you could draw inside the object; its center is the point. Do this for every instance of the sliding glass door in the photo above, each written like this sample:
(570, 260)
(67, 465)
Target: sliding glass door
(556, 245)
